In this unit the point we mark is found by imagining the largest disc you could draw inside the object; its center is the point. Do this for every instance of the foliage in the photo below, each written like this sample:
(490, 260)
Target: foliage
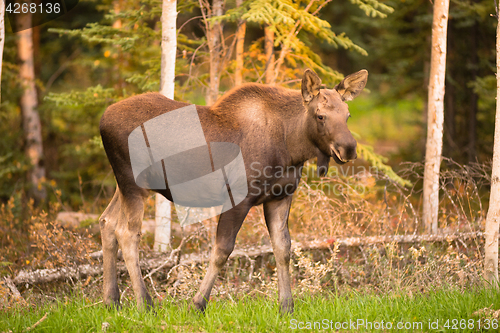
(360, 200)
(32, 239)
(13, 236)
(54, 246)
(297, 26)
(378, 162)
(399, 61)
(373, 8)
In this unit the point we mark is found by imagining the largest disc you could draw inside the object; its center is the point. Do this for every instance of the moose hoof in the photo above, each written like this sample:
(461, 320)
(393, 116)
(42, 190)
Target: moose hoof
(111, 298)
(112, 304)
(199, 303)
(286, 306)
(146, 303)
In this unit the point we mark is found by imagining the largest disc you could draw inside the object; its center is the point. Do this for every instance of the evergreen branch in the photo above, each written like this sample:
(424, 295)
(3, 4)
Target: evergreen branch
(378, 161)
(286, 47)
(91, 97)
(373, 8)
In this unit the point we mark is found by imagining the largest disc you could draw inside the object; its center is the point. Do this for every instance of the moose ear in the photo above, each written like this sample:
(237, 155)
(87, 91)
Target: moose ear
(352, 85)
(311, 84)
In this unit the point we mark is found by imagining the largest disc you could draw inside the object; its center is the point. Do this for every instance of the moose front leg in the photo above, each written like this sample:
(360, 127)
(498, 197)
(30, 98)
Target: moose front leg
(229, 224)
(276, 214)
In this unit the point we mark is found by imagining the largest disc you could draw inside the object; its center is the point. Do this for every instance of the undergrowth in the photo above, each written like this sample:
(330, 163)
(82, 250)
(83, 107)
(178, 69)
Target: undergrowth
(367, 203)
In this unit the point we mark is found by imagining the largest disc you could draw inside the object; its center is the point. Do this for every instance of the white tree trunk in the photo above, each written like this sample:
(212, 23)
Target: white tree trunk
(240, 43)
(435, 116)
(2, 41)
(29, 103)
(493, 217)
(167, 86)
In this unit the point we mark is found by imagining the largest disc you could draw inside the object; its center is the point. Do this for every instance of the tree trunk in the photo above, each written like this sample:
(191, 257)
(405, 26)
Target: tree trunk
(240, 43)
(435, 116)
(215, 39)
(29, 103)
(2, 41)
(493, 217)
(269, 49)
(167, 86)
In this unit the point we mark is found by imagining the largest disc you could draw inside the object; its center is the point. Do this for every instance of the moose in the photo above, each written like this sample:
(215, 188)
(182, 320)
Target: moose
(275, 128)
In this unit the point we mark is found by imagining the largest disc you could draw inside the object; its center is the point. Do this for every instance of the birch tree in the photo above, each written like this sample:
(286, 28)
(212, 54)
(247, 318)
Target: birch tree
(167, 85)
(32, 127)
(493, 216)
(240, 44)
(435, 116)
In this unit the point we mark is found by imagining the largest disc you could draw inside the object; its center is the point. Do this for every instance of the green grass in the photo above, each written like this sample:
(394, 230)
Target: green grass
(254, 314)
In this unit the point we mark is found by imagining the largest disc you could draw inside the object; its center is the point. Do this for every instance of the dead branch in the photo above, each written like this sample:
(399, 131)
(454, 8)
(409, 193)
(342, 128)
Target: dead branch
(48, 275)
(171, 259)
(164, 262)
(38, 322)
(15, 293)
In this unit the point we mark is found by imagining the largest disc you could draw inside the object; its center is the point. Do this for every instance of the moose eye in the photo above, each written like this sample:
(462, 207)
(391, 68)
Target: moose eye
(321, 117)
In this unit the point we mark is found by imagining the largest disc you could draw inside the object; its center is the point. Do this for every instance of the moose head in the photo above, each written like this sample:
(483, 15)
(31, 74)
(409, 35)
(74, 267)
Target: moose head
(328, 114)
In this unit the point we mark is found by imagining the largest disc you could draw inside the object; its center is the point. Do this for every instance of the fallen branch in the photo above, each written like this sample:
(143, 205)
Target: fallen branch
(48, 275)
(163, 262)
(402, 239)
(90, 305)
(38, 322)
(171, 261)
(15, 293)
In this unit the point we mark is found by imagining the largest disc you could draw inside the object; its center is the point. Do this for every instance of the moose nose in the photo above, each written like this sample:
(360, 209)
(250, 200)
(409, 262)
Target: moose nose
(347, 149)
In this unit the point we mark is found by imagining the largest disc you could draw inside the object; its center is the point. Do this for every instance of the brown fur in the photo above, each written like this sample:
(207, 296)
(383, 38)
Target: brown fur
(274, 127)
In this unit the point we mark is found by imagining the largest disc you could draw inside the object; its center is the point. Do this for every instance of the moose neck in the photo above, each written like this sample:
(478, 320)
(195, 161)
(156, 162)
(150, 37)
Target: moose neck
(276, 106)
(298, 136)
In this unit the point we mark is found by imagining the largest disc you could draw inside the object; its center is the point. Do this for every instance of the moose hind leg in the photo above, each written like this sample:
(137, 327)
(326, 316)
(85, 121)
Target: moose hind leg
(129, 235)
(276, 214)
(108, 222)
(229, 224)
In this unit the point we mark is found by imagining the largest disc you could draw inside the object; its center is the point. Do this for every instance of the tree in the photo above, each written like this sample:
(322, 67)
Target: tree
(435, 118)
(240, 44)
(32, 126)
(493, 216)
(216, 46)
(269, 50)
(167, 86)
(293, 23)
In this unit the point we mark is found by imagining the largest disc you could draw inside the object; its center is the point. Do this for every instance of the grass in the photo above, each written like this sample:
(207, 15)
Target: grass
(256, 314)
